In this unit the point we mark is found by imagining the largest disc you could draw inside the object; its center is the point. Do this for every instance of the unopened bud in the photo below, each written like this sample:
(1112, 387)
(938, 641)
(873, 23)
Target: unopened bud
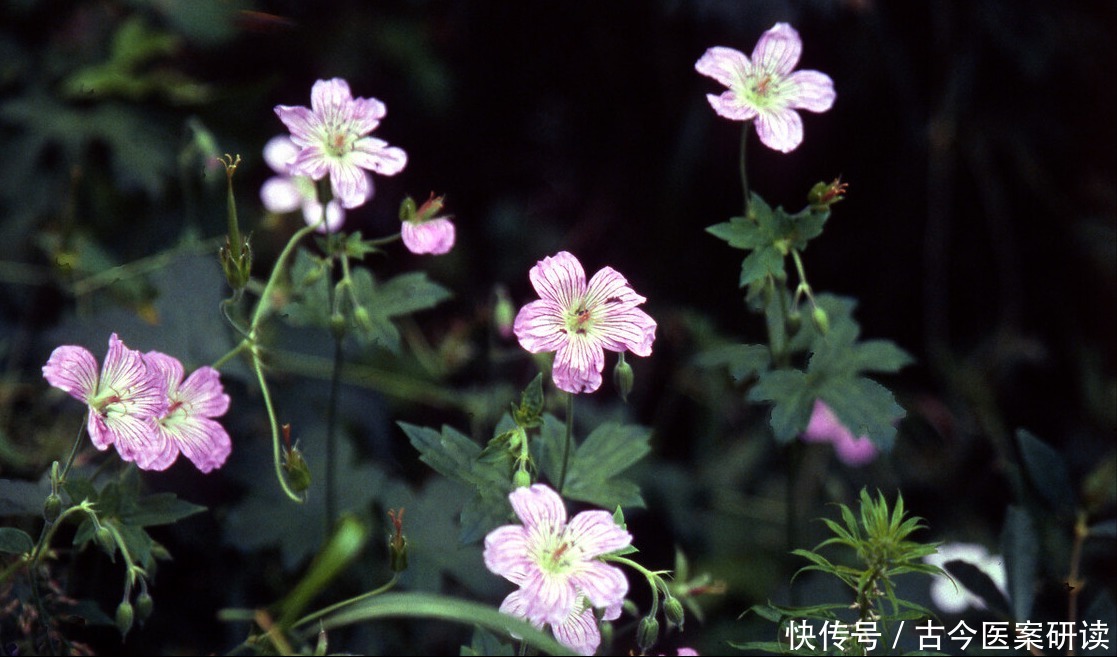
(521, 479)
(673, 610)
(794, 322)
(52, 507)
(337, 324)
(504, 313)
(407, 209)
(821, 320)
(144, 606)
(104, 538)
(623, 378)
(124, 617)
(361, 316)
(397, 543)
(298, 472)
(647, 633)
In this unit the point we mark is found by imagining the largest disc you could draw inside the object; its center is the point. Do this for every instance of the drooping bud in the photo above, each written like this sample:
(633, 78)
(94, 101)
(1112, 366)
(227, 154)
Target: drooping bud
(144, 606)
(124, 617)
(821, 320)
(623, 377)
(794, 321)
(52, 507)
(298, 472)
(397, 543)
(521, 479)
(647, 633)
(673, 610)
(104, 538)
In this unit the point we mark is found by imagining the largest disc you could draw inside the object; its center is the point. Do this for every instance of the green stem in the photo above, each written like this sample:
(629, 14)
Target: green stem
(383, 240)
(276, 457)
(741, 164)
(244, 344)
(569, 440)
(73, 451)
(331, 434)
(139, 267)
(265, 297)
(309, 618)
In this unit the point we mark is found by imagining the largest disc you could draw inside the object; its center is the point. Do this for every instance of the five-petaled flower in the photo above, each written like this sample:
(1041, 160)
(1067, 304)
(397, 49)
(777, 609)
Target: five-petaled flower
(555, 563)
(825, 427)
(285, 192)
(332, 135)
(187, 425)
(765, 88)
(123, 398)
(580, 321)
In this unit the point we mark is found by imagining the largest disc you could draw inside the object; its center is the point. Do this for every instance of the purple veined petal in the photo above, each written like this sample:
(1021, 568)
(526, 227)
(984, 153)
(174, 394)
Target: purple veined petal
(579, 632)
(349, 183)
(538, 506)
(539, 326)
(613, 611)
(377, 156)
(624, 329)
(595, 534)
(99, 432)
(302, 123)
(311, 162)
(202, 440)
(74, 370)
(813, 91)
(280, 195)
(203, 393)
(136, 439)
(331, 100)
(550, 599)
(434, 237)
(127, 376)
(726, 65)
(515, 605)
(167, 367)
(335, 215)
(559, 278)
(366, 114)
(730, 106)
(578, 365)
(159, 459)
(604, 585)
(506, 551)
(279, 152)
(780, 130)
(778, 49)
(609, 287)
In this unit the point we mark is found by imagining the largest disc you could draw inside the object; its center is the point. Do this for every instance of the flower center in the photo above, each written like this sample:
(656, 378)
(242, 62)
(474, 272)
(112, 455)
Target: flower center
(339, 142)
(764, 90)
(580, 320)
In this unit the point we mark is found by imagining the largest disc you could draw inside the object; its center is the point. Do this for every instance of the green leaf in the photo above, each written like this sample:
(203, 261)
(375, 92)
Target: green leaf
(15, 541)
(980, 584)
(1047, 471)
(1020, 545)
(159, 509)
(742, 360)
(761, 263)
(486, 643)
(865, 407)
(792, 397)
(402, 295)
(450, 452)
(594, 468)
(310, 289)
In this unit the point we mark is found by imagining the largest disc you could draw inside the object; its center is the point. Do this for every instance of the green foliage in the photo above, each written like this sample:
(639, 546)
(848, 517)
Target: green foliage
(596, 465)
(1020, 545)
(15, 541)
(1047, 472)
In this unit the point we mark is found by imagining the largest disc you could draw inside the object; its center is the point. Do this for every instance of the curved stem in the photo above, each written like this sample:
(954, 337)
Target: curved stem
(265, 297)
(569, 440)
(345, 603)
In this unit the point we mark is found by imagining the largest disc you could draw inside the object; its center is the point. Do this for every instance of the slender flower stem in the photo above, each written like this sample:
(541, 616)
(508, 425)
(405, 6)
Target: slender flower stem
(73, 450)
(264, 305)
(741, 165)
(309, 618)
(258, 367)
(381, 241)
(569, 440)
(331, 434)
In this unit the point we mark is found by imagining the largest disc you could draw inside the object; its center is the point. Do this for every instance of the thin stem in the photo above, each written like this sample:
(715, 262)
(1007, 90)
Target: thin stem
(244, 344)
(258, 367)
(569, 440)
(265, 297)
(73, 451)
(381, 241)
(331, 433)
(309, 618)
(741, 164)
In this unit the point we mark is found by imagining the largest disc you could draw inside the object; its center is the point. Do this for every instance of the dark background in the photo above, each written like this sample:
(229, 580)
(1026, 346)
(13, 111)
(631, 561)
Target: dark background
(978, 233)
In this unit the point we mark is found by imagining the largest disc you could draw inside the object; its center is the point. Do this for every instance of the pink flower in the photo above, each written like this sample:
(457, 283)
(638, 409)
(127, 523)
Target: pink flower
(765, 88)
(580, 321)
(123, 398)
(579, 631)
(287, 193)
(825, 427)
(556, 563)
(434, 236)
(332, 136)
(187, 425)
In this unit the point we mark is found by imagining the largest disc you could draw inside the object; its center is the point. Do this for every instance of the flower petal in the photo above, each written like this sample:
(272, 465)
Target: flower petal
(280, 195)
(626, 328)
(203, 393)
(377, 156)
(559, 278)
(578, 365)
(435, 236)
(813, 91)
(604, 585)
(136, 439)
(780, 130)
(335, 215)
(730, 106)
(142, 390)
(202, 440)
(332, 101)
(302, 123)
(778, 49)
(609, 286)
(349, 183)
(539, 506)
(579, 632)
(506, 553)
(726, 65)
(74, 370)
(550, 598)
(594, 533)
(539, 326)
(279, 152)
(311, 162)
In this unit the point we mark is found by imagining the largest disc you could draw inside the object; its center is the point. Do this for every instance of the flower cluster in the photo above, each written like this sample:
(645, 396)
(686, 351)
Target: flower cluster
(332, 138)
(579, 320)
(764, 87)
(825, 427)
(140, 404)
(556, 564)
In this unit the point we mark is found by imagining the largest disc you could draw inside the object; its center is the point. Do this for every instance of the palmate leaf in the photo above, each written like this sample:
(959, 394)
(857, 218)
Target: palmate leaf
(402, 295)
(596, 464)
(742, 360)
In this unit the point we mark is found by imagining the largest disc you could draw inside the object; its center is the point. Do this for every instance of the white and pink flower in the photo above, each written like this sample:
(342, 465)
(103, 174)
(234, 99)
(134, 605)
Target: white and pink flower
(579, 321)
(825, 427)
(188, 425)
(767, 88)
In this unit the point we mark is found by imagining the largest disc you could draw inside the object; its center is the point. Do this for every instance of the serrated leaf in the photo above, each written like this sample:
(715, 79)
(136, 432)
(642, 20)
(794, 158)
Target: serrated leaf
(310, 289)
(1020, 545)
(865, 407)
(402, 295)
(792, 399)
(449, 452)
(1047, 471)
(159, 509)
(15, 541)
(742, 360)
(486, 510)
(597, 463)
(761, 263)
